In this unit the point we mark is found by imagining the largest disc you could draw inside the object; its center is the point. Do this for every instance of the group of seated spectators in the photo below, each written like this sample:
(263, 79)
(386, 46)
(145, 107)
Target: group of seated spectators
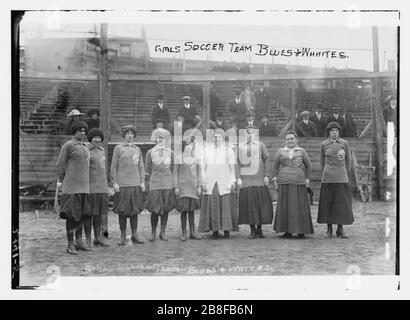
(313, 124)
(92, 118)
(247, 109)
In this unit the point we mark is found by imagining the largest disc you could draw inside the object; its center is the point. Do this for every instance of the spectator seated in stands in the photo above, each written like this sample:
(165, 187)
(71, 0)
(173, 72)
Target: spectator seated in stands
(93, 118)
(248, 97)
(265, 128)
(188, 112)
(250, 120)
(237, 110)
(318, 118)
(218, 122)
(261, 102)
(62, 100)
(390, 111)
(159, 123)
(160, 111)
(335, 117)
(306, 128)
(73, 116)
(348, 125)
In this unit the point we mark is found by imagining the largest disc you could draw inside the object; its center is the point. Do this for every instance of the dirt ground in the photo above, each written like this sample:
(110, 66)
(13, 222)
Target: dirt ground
(370, 249)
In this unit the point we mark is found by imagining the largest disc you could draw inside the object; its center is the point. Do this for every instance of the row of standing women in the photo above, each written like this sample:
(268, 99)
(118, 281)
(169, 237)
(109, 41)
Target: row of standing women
(204, 179)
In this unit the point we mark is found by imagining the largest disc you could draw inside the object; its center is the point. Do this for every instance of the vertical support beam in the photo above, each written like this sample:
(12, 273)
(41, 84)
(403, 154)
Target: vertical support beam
(293, 103)
(375, 41)
(206, 99)
(375, 103)
(104, 94)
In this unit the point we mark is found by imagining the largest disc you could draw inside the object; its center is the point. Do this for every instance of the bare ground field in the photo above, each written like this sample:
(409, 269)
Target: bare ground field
(43, 243)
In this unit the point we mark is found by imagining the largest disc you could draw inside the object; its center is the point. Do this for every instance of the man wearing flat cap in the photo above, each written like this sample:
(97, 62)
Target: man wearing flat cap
(306, 128)
(189, 113)
(160, 111)
(237, 110)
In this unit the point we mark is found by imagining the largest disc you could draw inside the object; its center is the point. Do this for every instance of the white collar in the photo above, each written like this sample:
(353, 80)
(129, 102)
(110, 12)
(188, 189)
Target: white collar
(187, 106)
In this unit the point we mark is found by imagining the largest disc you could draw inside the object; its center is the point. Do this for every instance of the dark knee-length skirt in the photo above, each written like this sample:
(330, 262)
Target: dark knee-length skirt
(187, 204)
(74, 206)
(293, 210)
(98, 203)
(160, 201)
(128, 202)
(218, 212)
(335, 204)
(255, 206)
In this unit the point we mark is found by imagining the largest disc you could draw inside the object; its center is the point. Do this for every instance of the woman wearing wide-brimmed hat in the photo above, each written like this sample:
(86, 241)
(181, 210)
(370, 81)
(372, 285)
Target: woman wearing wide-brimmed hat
(335, 202)
(73, 172)
(128, 178)
(162, 181)
(218, 204)
(291, 176)
(73, 116)
(98, 196)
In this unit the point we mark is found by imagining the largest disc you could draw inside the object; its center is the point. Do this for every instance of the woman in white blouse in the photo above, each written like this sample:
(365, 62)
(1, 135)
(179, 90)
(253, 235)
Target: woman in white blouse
(218, 206)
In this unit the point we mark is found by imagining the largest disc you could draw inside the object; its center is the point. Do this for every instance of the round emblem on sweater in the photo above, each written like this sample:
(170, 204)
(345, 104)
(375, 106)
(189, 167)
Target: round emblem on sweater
(341, 155)
(298, 161)
(193, 170)
(102, 162)
(135, 158)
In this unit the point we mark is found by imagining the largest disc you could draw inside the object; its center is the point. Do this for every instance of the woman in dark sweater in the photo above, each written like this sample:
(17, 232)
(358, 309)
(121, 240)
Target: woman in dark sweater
(255, 202)
(291, 176)
(162, 181)
(335, 201)
(188, 190)
(73, 173)
(98, 186)
(128, 177)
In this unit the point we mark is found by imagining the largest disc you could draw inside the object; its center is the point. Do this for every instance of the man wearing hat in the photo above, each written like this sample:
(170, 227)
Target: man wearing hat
(218, 122)
(189, 113)
(93, 118)
(237, 110)
(73, 116)
(160, 111)
(306, 128)
(265, 128)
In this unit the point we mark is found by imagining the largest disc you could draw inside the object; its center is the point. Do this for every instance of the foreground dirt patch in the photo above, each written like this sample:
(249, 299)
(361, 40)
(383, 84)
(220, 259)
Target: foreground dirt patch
(43, 242)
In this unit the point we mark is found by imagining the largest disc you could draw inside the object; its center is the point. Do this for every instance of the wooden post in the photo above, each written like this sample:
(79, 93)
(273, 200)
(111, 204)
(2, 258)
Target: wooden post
(104, 94)
(375, 41)
(377, 134)
(206, 112)
(293, 104)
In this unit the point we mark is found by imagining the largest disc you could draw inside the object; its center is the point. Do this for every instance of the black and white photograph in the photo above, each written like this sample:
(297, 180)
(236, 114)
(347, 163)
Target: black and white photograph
(169, 145)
